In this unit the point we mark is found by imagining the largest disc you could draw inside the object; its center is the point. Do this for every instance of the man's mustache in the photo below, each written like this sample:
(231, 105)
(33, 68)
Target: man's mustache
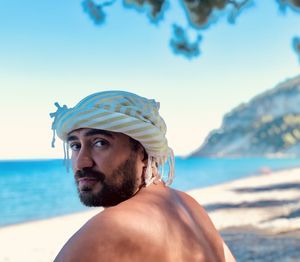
(89, 173)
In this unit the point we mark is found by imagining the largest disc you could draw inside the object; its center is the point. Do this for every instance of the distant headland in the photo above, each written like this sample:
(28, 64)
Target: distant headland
(268, 125)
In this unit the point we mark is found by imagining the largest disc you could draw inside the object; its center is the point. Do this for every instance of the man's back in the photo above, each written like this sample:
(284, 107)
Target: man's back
(157, 224)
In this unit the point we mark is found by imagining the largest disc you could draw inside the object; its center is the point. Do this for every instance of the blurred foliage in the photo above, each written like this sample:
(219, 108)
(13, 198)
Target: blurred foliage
(200, 14)
(296, 46)
(95, 11)
(182, 45)
(282, 132)
(155, 6)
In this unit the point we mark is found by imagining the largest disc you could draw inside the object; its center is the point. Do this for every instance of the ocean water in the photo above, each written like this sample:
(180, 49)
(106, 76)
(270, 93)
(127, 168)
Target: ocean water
(38, 189)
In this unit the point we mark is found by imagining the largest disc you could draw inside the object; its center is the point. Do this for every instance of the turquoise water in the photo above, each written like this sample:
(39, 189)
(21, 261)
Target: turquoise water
(37, 189)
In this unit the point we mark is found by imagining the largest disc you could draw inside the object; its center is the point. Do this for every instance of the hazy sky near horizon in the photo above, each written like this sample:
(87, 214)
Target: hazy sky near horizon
(52, 52)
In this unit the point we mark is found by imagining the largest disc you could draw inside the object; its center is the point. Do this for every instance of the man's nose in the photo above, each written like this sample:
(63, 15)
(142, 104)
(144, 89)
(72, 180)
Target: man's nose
(83, 160)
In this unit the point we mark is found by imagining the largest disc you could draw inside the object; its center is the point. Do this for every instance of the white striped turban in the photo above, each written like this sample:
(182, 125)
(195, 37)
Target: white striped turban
(122, 112)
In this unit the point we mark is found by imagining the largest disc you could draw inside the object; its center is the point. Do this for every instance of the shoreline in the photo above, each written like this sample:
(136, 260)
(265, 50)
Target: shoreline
(259, 173)
(195, 193)
(261, 206)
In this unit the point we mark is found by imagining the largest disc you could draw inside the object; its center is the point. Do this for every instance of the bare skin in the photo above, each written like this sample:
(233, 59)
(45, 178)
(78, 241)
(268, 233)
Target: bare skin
(156, 224)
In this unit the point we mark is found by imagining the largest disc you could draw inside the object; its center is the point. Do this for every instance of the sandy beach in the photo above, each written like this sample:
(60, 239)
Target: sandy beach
(269, 202)
(260, 208)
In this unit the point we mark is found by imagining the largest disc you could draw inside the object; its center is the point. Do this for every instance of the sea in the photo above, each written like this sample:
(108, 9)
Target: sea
(39, 189)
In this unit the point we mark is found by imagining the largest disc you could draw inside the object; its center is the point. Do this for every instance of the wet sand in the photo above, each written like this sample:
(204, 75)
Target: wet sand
(259, 218)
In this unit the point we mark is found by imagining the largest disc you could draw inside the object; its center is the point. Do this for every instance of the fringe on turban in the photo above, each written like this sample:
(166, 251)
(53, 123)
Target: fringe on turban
(123, 112)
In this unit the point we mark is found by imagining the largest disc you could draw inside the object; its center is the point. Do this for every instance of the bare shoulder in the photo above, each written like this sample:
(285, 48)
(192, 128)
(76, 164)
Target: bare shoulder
(199, 214)
(112, 235)
(159, 224)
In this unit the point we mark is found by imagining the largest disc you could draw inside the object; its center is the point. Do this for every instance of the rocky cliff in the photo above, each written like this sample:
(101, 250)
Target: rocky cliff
(268, 125)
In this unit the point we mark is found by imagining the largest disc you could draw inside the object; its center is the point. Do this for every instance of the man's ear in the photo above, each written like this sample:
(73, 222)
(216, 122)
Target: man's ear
(143, 161)
(143, 155)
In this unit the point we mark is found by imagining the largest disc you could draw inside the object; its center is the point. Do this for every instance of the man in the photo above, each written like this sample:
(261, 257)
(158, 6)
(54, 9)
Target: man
(119, 149)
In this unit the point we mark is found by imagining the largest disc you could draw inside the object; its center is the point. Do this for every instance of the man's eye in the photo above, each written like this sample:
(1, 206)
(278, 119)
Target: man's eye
(74, 146)
(100, 143)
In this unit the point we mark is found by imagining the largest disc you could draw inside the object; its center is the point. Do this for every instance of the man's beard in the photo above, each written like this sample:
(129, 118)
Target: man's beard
(117, 187)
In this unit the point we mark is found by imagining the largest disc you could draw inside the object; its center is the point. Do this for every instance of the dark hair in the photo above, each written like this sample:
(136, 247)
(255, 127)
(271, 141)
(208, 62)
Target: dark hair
(136, 145)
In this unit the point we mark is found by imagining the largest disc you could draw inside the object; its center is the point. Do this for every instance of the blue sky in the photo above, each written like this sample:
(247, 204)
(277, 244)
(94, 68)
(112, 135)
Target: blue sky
(51, 51)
